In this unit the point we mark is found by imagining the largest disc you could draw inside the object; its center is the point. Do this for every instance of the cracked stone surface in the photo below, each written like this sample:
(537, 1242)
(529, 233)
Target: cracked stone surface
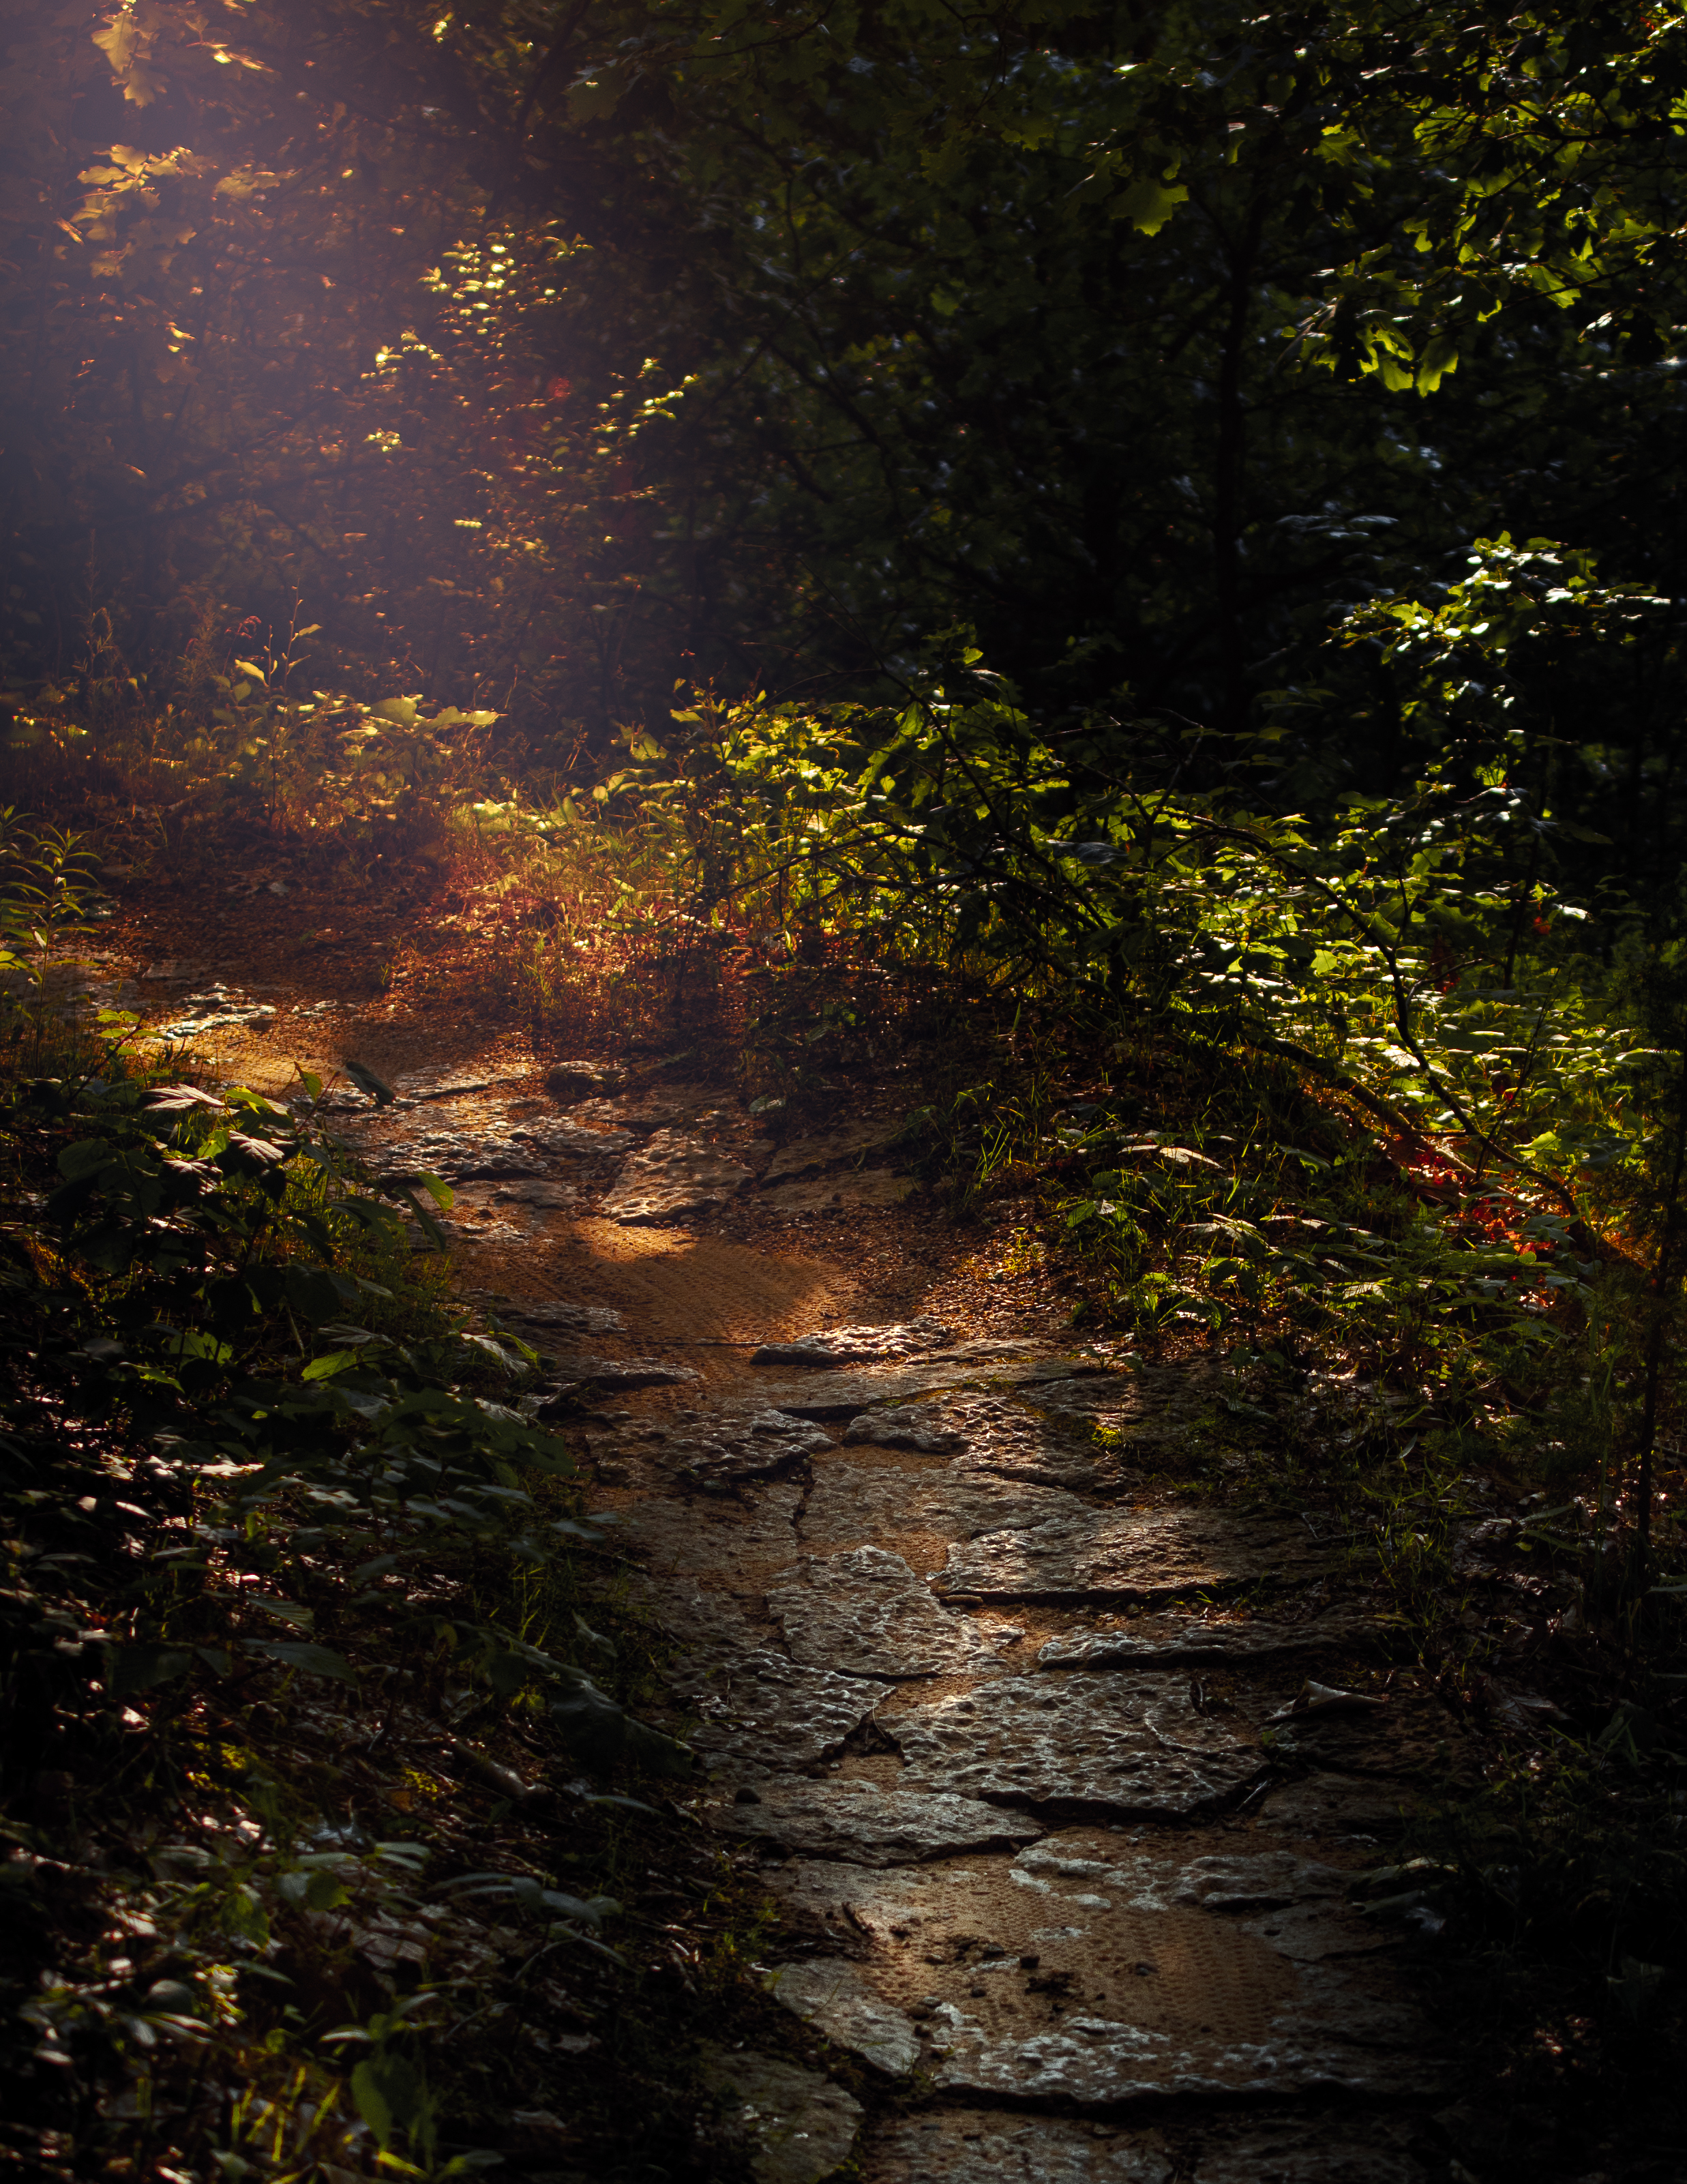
(761, 1713)
(857, 1345)
(892, 1501)
(1291, 2152)
(622, 1373)
(865, 1613)
(865, 1824)
(1166, 1640)
(868, 1186)
(804, 1155)
(911, 1426)
(766, 1442)
(672, 1174)
(985, 2145)
(699, 1536)
(838, 2001)
(801, 2126)
(1029, 1898)
(1104, 1556)
(1136, 1745)
(1018, 1981)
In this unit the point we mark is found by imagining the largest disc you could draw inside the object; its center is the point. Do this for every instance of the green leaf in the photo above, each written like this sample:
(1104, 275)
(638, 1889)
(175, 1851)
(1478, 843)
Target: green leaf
(130, 1668)
(325, 1368)
(315, 1660)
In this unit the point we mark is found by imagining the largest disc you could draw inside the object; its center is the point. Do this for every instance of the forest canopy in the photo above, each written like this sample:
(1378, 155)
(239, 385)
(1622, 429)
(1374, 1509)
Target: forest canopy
(543, 356)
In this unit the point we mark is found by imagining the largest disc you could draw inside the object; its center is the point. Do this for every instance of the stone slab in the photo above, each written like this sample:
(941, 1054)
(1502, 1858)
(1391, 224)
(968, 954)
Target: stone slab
(866, 1825)
(759, 1446)
(1291, 2150)
(1338, 1805)
(864, 1613)
(836, 2000)
(1094, 1554)
(699, 1536)
(1028, 1985)
(1136, 1745)
(804, 1155)
(801, 2127)
(867, 1186)
(760, 1713)
(912, 1427)
(985, 2145)
(672, 1174)
(835, 1346)
(622, 1373)
(1163, 1641)
(889, 1501)
(830, 1393)
(548, 1316)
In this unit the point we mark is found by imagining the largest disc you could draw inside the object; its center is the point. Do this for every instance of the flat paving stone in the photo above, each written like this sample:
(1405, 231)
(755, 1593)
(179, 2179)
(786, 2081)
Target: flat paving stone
(1023, 1984)
(1003, 1437)
(863, 1824)
(983, 2146)
(915, 1427)
(804, 1155)
(1161, 1640)
(867, 1186)
(548, 1315)
(669, 1175)
(1098, 1555)
(1136, 1745)
(858, 1346)
(833, 1393)
(699, 1536)
(761, 1713)
(865, 1613)
(892, 1501)
(759, 1446)
(1338, 1805)
(800, 2125)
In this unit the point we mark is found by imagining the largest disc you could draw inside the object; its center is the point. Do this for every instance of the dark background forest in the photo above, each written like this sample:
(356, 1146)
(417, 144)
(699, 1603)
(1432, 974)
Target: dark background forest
(545, 357)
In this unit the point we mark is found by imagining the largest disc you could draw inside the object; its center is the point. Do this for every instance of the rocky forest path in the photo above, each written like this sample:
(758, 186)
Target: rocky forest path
(1069, 1783)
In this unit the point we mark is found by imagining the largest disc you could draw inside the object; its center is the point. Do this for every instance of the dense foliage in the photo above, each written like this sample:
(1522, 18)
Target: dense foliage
(549, 354)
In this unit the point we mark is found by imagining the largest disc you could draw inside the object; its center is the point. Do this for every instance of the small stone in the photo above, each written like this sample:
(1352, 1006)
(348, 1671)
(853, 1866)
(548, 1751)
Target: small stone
(537, 2131)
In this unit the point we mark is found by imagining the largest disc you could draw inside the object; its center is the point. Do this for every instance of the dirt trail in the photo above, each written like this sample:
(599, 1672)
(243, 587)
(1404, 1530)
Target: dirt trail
(1060, 1864)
